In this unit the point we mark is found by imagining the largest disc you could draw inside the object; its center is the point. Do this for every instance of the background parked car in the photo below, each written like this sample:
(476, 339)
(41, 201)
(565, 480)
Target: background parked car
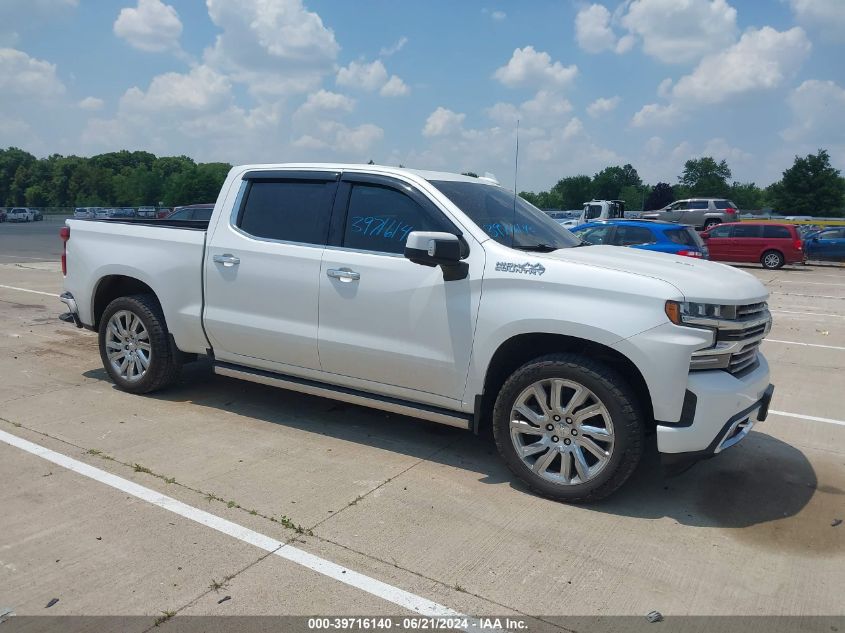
(826, 244)
(122, 214)
(101, 213)
(37, 216)
(769, 243)
(663, 237)
(83, 213)
(196, 212)
(2, 215)
(701, 213)
(20, 214)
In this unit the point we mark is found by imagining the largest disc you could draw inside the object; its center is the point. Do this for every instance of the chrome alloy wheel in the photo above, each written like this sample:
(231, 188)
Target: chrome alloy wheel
(562, 431)
(128, 345)
(772, 260)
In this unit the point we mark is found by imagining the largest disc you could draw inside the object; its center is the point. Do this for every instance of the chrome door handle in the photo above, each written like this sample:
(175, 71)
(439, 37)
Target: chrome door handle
(226, 259)
(344, 274)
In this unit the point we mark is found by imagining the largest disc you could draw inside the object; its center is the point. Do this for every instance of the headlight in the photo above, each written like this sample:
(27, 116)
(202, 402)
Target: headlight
(690, 312)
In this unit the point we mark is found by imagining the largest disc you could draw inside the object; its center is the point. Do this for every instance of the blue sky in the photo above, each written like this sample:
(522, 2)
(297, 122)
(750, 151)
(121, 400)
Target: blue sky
(436, 85)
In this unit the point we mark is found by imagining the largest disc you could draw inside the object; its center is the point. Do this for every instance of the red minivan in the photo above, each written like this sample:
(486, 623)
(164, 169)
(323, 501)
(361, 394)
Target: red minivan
(768, 243)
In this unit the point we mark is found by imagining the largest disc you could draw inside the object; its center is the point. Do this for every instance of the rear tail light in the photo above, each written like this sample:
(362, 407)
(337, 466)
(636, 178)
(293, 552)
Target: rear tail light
(730, 211)
(690, 253)
(797, 244)
(64, 233)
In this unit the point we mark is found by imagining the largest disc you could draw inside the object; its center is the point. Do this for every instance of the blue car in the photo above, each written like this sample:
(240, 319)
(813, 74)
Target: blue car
(826, 244)
(650, 235)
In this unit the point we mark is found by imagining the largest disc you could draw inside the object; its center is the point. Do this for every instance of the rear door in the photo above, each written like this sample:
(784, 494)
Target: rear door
(719, 242)
(747, 243)
(693, 215)
(262, 270)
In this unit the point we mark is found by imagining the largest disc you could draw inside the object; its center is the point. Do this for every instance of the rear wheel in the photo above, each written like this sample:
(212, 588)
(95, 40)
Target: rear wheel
(135, 347)
(710, 224)
(569, 427)
(772, 260)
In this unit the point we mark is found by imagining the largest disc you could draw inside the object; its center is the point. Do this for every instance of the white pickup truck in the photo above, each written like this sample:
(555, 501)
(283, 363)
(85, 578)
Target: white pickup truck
(438, 296)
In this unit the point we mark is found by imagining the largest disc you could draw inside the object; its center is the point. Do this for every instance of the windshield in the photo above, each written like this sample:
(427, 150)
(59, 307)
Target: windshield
(519, 225)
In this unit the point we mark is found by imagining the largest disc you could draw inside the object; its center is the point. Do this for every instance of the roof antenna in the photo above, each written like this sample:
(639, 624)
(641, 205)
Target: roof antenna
(515, 172)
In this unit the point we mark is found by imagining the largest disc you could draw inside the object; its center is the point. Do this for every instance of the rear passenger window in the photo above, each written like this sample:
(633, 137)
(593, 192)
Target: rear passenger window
(380, 218)
(697, 204)
(632, 235)
(747, 230)
(291, 211)
(776, 232)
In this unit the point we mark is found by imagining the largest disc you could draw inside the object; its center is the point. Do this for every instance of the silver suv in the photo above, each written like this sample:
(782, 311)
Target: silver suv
(702, 213)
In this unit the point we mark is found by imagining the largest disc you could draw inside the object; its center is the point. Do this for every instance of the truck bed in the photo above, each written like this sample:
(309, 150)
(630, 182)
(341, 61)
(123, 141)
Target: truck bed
(166, 256)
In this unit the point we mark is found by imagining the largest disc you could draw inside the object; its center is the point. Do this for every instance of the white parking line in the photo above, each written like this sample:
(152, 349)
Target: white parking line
(397, 596)
(807, 417)
(774, 340)
(840, 316)
(35, 292)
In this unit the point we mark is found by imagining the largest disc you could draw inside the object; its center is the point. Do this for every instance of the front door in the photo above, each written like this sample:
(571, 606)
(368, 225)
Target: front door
(384, 319)
(718, 243)
(262, 271)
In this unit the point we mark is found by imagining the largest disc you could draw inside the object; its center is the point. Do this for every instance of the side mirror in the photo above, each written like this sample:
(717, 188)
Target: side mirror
(429, 248)
(815, 239)
(705, 236)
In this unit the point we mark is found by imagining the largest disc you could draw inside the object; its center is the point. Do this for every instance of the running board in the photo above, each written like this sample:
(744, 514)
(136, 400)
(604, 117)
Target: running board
(345, 394)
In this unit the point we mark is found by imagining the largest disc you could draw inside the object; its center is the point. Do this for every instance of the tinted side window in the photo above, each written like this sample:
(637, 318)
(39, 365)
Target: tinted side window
(832, 234)
(380, 218)
(720, 231)
(592, 211)
(631, 235)
(776, 231)
(697, 204)
(293, 211)
(595, 235)
(202, 214)
(748, 230)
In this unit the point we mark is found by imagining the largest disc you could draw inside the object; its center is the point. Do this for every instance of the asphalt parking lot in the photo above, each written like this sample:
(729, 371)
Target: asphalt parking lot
(295, 505)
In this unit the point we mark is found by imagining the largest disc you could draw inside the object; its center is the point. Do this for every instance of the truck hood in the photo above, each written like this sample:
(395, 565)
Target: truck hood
(695, 279)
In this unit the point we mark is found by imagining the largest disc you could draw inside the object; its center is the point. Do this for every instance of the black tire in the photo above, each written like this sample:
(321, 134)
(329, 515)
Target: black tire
(164, 364)
(772, 260)
(620, 402)
(709, 224)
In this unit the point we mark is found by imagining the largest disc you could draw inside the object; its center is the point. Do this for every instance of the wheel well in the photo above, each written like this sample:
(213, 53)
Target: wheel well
(113, 286)
(521, 349)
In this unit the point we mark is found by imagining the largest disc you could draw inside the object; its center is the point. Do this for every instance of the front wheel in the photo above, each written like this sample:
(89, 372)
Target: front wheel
(569, 427)
(135, 347)
(772, 260)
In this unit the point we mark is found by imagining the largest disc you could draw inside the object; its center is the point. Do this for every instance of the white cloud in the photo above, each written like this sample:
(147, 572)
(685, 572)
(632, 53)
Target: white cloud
(720, 149)
(202, 89)
(656, 114)
(150, 26)
(25, 76)
(498, 15)
(817, 108)
(592, 29)
(91, 103)
(325, 101)
(762, 59)
(531, 68)
(681, 31)
(388, 51)
(336, 137)
(370, 77)
(602, 105)
(442, 122)
(826, 16)
(275, 47)
(394, 87)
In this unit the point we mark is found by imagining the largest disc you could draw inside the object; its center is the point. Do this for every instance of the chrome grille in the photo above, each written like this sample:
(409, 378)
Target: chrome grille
(743, 359)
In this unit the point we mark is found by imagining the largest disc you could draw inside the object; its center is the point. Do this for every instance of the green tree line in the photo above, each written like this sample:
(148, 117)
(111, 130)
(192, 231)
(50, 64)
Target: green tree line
(120, 179)
(811, 186)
